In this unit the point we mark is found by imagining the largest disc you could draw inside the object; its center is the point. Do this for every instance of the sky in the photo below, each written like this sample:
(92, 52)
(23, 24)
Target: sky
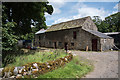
(65, 11)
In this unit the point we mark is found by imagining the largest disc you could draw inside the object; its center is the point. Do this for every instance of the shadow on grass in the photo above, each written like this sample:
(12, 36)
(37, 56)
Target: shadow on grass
(9, 56)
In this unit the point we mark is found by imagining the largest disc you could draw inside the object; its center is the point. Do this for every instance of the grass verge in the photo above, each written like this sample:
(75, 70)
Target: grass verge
(73, 69)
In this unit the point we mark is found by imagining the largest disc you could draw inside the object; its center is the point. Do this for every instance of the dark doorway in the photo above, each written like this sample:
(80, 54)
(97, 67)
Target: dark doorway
(66, 46)
(94, 44)
(55, 46)
(74, 34)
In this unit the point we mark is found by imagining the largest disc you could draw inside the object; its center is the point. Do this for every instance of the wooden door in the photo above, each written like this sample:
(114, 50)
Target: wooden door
(94, 44)
(55, 46)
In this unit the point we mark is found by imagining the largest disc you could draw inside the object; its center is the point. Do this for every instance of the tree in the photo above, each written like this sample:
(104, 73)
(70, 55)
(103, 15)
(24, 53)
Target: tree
(9, 39)
(110, 24)
(17, 19)
(98, 21)
(26, 14)
(113, 21)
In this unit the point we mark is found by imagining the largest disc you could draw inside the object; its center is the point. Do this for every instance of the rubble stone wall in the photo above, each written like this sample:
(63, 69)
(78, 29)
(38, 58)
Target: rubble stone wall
(34, 69)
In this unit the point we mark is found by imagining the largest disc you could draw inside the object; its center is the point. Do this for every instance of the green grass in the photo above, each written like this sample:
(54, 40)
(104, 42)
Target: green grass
(77, 68)
(41, 56)
(73, 69)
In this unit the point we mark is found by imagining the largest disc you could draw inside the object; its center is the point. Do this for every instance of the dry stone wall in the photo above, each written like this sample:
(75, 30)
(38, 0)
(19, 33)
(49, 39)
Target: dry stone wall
(34, 69)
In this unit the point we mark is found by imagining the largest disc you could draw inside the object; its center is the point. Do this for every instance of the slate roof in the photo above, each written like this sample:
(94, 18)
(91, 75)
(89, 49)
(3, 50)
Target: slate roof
(99, 34)
(67, 25)
(72, 24)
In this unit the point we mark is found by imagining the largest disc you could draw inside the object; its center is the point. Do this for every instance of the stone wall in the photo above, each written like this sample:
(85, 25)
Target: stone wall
(89, 24)
(106, 44)
(83, 39)
(34, 69)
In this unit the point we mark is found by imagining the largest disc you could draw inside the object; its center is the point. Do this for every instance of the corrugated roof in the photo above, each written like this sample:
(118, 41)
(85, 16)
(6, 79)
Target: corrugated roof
(41, 31)
(67, 25)
(99, 34)
(111, 33)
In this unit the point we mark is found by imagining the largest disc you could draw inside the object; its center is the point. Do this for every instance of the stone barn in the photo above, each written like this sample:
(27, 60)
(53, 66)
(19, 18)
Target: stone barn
(78, 34)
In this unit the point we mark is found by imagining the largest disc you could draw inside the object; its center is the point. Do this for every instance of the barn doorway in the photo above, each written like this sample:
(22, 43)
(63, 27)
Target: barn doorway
(66, 46)
(94, 44)
(55, 45)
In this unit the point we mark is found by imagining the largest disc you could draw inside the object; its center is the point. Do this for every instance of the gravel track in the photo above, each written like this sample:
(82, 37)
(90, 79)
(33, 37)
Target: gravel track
(105, 63)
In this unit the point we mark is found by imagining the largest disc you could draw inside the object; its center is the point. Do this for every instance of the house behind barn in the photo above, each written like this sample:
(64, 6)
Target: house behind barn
(78, 34)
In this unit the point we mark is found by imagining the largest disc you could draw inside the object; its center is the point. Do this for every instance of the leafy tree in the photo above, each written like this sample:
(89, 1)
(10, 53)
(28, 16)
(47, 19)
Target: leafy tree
(113, 21)
(26, 14)
(110, 24)
(98, 21)
(9, 39)
(104, 27)
(17, 19)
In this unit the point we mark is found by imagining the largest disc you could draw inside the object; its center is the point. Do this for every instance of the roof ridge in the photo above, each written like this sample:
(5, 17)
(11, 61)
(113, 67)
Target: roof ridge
(71, 20)
(68, 24)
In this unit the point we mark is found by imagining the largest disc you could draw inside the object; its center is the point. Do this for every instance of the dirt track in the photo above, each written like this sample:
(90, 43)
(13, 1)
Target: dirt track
(105, 63)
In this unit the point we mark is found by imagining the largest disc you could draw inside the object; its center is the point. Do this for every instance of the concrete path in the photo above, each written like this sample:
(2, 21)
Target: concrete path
(105, 63)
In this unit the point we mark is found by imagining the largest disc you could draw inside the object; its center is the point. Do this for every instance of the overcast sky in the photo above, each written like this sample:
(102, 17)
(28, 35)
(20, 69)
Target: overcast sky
(65, 11)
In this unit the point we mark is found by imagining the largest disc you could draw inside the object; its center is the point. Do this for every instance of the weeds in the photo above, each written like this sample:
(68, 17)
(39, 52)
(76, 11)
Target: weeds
(38, 57)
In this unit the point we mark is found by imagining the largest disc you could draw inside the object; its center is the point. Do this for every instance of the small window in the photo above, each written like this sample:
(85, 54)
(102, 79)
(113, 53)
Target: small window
(74, 34)
(72, 44)
(60, 43)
